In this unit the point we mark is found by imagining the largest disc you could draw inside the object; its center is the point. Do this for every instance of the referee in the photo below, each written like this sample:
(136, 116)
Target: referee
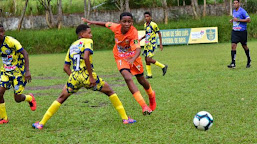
(239, 33)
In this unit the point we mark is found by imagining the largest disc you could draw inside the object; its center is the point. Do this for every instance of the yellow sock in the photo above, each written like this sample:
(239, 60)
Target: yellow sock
(137, 95)
(28, 98)
(50, 112)
(159, 64)
(149, 70)
(3, 114)
(149, 92)
(118, 106)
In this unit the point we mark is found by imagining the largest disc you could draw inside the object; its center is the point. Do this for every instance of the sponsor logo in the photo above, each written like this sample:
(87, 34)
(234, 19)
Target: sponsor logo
(197, 35)
(136, 41)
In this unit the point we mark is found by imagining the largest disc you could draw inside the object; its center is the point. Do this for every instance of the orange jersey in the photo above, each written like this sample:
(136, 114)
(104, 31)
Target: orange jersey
(125, 45)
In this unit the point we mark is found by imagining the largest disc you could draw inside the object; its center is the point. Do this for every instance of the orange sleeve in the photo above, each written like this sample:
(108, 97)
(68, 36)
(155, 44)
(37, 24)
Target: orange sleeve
(134, 43)
(111, 25)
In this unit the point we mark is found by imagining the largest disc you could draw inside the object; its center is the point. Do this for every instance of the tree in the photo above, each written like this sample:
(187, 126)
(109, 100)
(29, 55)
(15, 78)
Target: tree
(165, 11)
(87, 8)
(59, 19)
(127, 5)
(23, 14)
(195, 7)
(49, 14)
(204, 8)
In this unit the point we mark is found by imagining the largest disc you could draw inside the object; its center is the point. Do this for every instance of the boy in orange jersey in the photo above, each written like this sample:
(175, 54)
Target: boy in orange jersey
(127, 56)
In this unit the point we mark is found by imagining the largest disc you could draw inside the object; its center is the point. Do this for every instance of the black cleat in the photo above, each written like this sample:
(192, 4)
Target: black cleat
(164, 70)
(248, 65)
(232, 65)
(148, 77)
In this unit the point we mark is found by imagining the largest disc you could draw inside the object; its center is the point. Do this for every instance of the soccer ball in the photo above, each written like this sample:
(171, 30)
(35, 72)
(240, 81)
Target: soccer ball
(203, 120)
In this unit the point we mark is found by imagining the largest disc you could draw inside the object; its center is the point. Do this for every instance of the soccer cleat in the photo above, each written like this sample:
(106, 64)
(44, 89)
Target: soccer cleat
(148, 77)
(248, 65)
(164, 70)
(152, 101)
(3, 121)
(146, 110)
(37, 125)
(33, 103)
(128, 121)
(232, 65)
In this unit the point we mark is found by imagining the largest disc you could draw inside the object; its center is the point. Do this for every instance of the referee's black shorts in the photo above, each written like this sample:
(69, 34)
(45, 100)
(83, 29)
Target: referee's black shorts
(239, 36)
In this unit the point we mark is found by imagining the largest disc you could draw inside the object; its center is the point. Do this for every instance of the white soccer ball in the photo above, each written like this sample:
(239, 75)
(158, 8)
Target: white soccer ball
(203, 120)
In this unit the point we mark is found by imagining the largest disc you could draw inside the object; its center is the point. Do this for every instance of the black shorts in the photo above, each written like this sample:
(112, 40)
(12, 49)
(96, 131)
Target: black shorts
(239, 36)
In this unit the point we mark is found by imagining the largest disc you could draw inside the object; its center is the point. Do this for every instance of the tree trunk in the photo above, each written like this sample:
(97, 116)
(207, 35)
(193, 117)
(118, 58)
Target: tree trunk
(59, 19)
(85, 8)
(23, 14)
(230, 7)
(204, 8)
(184, 3)
(215, 2)
(195, 8)
(178, 2)
(165, 11)
(121, 5)
(15, 6)
(127, 5)
(88, 9)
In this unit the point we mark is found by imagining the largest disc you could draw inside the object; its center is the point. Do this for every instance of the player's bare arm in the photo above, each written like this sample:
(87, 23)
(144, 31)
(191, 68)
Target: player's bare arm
(248, 20)
(67, 69)
(89, 68)
(27, 72)
(142, 38)
(132, 59)
(93, 22)
(160, 38)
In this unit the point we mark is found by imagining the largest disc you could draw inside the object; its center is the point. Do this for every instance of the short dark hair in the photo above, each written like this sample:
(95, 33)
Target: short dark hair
(1, 26)
(237, 0)
(147, 13)
(125, 14)
(81, 28)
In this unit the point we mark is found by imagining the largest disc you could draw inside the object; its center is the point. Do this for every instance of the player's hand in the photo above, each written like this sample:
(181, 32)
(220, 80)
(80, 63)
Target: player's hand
(130, 60)
(235, 19)
(86, 20)
(161, 47)
(231, 20)
(27, 76)
(92, 81)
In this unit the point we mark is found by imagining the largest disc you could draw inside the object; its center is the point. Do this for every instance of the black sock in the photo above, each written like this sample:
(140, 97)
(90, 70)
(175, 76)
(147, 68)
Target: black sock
(233, 56)
(247, 52)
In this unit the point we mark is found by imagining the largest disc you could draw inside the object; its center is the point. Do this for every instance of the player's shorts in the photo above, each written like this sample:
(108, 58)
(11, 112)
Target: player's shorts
(135, 69)
(79, 79)
(239, 36)
(13, 79)
(149, 50)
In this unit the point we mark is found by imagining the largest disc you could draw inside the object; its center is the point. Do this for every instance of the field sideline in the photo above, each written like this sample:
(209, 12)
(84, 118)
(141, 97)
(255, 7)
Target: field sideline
(197, 79)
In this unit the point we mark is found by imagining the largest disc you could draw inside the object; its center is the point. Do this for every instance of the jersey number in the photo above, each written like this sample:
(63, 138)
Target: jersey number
(77, 59)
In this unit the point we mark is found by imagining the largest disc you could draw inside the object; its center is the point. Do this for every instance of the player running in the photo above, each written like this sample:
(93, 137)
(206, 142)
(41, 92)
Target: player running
(82, 75)
(151, 28)
(127, 56)
(14, 73)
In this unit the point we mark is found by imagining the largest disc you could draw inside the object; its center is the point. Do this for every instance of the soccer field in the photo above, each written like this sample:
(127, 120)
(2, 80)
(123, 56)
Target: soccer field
(197, 79)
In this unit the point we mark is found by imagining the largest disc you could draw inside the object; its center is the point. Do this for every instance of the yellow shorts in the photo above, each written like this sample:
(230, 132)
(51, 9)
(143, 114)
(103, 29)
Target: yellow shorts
(149, 50)
(13, 79)
(79, 79)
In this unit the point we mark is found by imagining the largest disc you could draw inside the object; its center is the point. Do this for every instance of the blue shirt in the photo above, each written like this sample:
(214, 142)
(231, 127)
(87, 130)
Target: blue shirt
(240, 14)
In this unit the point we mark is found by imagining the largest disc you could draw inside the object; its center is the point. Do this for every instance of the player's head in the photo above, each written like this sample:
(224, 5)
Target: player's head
(147, 16)
(83, 31)
(236, 4)
(126, 21)
(1, 32)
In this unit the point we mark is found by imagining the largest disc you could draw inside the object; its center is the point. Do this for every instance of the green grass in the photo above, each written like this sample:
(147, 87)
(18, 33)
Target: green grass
(197, 79)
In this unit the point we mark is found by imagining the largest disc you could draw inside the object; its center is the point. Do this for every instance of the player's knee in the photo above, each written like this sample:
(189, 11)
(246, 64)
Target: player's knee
(18, 98)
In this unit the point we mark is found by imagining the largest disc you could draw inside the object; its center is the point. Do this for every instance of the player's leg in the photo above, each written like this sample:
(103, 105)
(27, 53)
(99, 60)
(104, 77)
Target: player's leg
(134, 90)
(148, 68)
(106, 89)
(151, 94)
(247, 51)
(19, 86)
(52, 109)
(3, 114)
(235, 38)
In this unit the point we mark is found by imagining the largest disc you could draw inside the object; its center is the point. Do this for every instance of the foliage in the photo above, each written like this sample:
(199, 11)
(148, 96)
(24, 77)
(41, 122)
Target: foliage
(251, 6)
(53, 40)
(197, 79)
